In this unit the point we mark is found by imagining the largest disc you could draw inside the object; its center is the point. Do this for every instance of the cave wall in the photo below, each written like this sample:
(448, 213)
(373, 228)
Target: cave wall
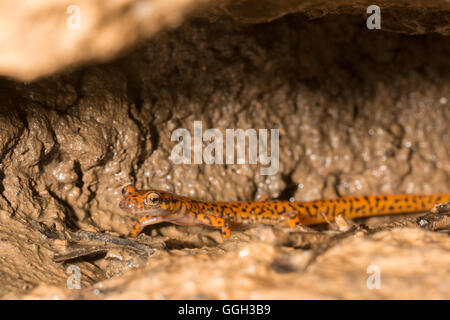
(359, 112)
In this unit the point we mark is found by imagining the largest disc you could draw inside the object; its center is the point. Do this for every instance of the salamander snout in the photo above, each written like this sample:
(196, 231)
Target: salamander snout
(129, 197)
(128, 190)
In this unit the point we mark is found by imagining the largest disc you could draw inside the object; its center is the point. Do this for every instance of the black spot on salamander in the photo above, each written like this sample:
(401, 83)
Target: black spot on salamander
(391, 208)
(327, 211)
(385, 198)
(366, 198)
(308, 210)
(397, 200)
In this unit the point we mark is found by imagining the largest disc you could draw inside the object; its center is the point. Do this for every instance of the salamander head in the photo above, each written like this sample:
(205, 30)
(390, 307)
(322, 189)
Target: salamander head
(149, 202)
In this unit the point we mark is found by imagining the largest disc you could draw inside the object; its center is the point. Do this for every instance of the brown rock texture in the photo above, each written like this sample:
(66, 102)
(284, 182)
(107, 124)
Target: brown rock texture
(359, 112)
(409, 16)
(271, 272)
(78, 31)
(95, 30)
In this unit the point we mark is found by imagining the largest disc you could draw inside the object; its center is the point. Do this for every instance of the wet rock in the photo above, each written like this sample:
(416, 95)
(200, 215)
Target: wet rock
(359, 112)
(415, 17)
(78, 32)
(92, 31)
(259, 270)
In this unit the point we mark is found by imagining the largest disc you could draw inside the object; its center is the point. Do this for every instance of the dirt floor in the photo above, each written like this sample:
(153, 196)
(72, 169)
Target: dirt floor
(359, 112)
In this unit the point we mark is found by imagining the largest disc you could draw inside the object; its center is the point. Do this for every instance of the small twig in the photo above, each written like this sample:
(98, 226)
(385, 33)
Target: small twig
(78, 253)
(438, 219)
(103, 237)
(87, 243)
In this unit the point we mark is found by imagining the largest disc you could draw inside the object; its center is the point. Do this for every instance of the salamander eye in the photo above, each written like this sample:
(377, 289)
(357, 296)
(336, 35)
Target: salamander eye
(153, 198)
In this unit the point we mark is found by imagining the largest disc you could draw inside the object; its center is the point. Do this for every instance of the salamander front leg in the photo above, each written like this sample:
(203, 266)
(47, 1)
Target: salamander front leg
(293, 219)
(142, 223)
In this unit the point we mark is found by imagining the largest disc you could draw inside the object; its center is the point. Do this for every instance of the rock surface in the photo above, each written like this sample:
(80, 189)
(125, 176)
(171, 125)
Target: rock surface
(359, 112)
(77, 31)
(259, 270)
(83, 31)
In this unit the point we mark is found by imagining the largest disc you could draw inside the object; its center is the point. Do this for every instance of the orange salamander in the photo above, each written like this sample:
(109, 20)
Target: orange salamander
(153, 206)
